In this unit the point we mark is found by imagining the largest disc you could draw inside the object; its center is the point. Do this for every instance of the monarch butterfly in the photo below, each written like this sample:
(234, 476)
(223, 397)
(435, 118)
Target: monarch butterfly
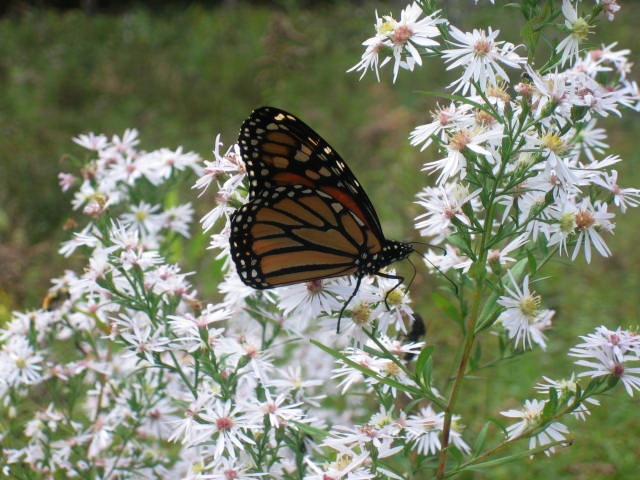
(307, 217)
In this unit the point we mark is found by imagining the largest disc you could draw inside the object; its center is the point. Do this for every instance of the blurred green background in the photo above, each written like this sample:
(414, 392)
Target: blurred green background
(184, 72)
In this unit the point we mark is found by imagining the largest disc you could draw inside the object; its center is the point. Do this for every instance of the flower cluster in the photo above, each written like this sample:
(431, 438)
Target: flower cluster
(613, 354)
(165, 386)
(522, 173)
(100, 330)
(609, 356)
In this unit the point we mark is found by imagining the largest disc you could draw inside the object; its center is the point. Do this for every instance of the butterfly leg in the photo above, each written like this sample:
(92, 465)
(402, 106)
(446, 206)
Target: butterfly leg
(344, 307)
(395, 277)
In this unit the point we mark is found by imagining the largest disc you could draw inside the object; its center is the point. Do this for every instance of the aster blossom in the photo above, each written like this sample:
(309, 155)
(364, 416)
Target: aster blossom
(531, 415)
(407, 39)
(481, 56)
(578, 30)
(523, 318)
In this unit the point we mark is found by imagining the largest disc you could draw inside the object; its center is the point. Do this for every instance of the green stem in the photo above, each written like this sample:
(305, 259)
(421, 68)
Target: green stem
(457, 382)
(472, 317)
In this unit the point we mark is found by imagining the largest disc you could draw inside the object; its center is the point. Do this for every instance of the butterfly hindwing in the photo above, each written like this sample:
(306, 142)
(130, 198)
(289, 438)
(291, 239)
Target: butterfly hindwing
(292, 234)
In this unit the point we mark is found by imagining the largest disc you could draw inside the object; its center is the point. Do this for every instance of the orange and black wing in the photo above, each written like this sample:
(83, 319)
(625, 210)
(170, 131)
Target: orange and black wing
(293, 233)
(280, 149)
(307, 216)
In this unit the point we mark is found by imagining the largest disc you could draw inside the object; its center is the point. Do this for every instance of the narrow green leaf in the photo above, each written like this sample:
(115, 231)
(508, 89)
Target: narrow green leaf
(481, 439)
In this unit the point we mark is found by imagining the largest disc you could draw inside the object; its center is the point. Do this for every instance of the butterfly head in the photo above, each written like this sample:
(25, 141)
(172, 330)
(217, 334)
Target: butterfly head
(392, 251)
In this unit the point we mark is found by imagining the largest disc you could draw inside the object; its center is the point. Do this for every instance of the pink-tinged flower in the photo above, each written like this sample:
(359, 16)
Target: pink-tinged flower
(458, 144)
(611, 352)
(446, 120)
(443, 207)
(500, 257)
(619, 342)
(161, 164)
(550, 94)
(141, 338)
(622, 197)
(229, 163)
(91, 141)
(407, 39)
(611, 7)
(305, 302)
(226, 429)
(409, 34)
(482, 58)
(607, 363)
(583, 225)
(67, 181)
(230, 469)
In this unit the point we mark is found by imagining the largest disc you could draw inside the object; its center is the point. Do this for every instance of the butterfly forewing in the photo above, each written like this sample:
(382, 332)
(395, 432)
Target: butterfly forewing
(280, 149)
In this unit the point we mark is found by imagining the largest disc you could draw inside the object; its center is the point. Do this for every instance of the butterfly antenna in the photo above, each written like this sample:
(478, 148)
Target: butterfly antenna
(436, 268)
(413, 276)
(344, 307)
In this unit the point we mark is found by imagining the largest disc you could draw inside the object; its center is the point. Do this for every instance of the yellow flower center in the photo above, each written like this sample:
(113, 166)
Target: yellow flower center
(530, 305)
(553, 142)
(580, 29)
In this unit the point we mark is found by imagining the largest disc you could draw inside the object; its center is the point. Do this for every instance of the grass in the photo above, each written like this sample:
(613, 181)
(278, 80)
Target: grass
(182, 76)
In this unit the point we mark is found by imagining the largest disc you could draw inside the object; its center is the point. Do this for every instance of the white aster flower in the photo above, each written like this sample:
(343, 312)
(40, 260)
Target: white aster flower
(230, 468)
(619, 342)
(20, 364)
(407, 39)
(445, 121)
(424, 429)
(92, 141)
(501, 256)
(455, 163)
(178, 219)
(410, 33)
(578, 31)
(530, 417)
(482, 58)
(567, 389)
(278, 411)
(227, 429)
(347, 465)
(622, 197)
(443, 207)
(305, 302)
(614, 353)
(145, 218)
(523, 318)
(591, 140)
(229, 163)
